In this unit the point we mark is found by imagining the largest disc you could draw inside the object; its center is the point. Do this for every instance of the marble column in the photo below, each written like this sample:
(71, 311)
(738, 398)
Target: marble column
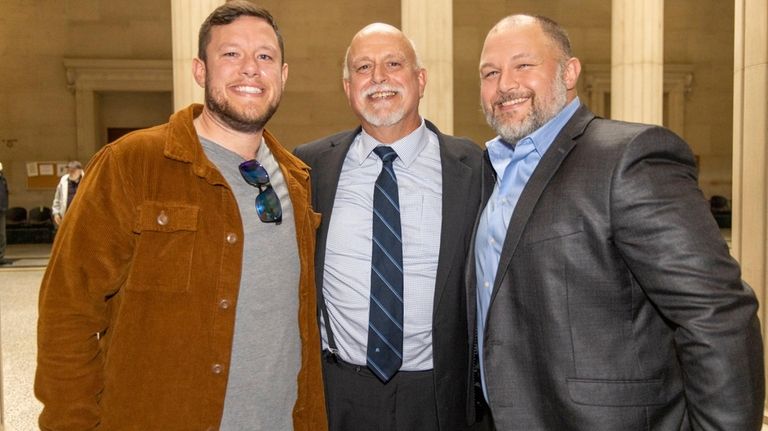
(749, 233)
(637, 60)
(430, 25)
(186, 17)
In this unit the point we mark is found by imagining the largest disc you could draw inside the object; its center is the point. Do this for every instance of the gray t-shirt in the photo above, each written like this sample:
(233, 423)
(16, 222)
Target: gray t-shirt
(266, 351)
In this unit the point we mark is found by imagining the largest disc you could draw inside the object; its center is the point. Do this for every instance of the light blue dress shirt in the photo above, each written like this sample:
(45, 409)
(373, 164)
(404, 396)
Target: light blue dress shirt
(347, 270)
(514, 165)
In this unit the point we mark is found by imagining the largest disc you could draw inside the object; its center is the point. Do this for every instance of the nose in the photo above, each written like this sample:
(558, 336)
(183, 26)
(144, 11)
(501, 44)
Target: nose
(379, 74)
(507, 81)
(250, 68)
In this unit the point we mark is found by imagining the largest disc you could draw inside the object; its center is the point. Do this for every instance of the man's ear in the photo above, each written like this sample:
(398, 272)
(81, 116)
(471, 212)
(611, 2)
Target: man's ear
(198, 71)
(571, 72)
(345, 83)
(284, 73)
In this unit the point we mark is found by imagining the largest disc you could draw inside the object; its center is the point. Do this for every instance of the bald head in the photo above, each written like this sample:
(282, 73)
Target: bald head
(554, 32)
(379, 28)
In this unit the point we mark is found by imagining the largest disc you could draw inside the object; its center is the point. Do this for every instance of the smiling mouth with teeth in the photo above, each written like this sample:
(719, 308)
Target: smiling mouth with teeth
(510, 102)
(249, 90)
(382, 94)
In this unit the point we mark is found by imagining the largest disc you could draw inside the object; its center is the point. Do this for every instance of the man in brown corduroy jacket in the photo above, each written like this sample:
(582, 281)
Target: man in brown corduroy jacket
(180, 291)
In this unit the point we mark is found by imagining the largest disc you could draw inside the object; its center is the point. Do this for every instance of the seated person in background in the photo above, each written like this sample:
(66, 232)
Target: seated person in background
(66, 190)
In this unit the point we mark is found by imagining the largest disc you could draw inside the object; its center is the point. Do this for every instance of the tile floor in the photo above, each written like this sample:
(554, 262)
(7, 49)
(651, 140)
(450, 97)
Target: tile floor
(19, 284)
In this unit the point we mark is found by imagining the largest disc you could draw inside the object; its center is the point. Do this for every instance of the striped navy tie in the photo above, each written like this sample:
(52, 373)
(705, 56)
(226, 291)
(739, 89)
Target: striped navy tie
(385, 324)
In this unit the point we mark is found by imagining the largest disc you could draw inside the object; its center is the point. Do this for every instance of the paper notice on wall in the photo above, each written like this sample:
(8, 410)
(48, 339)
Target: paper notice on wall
(32, 169)
(61, 168)
(47, 169)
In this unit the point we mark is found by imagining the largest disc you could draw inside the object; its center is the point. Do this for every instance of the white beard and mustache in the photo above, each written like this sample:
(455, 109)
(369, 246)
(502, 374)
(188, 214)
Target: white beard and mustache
(387, 119)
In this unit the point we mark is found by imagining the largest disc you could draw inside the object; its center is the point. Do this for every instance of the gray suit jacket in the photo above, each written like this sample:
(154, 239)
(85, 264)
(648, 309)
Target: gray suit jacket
(461, 163)
(616, 305)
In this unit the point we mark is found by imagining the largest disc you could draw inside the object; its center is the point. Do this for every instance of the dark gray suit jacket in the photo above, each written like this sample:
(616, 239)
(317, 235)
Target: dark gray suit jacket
(461, 163)
(616, 305)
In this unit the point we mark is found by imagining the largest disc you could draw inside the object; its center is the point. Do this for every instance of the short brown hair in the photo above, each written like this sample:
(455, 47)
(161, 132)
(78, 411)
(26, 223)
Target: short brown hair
(228, 13)
(556, 33)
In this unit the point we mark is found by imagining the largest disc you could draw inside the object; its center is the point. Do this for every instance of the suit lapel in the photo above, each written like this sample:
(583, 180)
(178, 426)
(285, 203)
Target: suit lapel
(456, 178)
(325, 180)
(487, 181)
(546, 169)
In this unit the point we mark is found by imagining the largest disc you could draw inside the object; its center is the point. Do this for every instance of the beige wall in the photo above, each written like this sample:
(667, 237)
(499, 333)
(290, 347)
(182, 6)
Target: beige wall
(37, 111)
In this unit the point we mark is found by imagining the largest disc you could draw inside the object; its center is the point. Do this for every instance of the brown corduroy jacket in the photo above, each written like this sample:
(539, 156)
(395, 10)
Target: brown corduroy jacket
(149, 259)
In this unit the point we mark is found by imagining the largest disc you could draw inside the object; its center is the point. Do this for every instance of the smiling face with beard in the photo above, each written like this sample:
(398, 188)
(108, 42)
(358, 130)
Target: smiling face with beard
(248, 119)
(525, 80)
(542, 109)
(383, 81)
(243, 74)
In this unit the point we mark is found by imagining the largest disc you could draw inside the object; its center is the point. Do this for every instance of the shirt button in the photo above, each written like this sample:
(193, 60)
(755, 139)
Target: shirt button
(217, 368)
(491, 241)
(486, 284)
(231, 238)
(162, 219)
(224, 304)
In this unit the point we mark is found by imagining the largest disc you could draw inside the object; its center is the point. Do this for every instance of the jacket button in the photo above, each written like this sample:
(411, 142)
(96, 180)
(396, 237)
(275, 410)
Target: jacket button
(217, 368)
(224, 304)
(162, 218)
(231, 238)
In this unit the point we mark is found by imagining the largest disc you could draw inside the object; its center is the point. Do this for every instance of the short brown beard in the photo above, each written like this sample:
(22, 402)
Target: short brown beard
(220, 107)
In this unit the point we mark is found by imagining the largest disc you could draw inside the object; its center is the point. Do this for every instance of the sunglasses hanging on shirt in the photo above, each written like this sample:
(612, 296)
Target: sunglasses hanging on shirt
(267, 203)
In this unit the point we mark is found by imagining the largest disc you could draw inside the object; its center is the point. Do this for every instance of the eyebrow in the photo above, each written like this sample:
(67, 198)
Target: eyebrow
(230, 45)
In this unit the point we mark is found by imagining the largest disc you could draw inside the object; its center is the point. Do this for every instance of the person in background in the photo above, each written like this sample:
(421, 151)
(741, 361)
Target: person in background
(66, 190)
(180, 289)
(399, 199)
(606, 296)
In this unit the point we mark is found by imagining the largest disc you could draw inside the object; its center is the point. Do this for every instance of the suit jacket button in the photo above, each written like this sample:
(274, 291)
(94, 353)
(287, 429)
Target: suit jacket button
(231, 238)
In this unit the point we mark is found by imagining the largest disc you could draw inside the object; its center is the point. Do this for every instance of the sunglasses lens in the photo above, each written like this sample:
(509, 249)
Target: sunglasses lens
(254, 173)
(268, 206)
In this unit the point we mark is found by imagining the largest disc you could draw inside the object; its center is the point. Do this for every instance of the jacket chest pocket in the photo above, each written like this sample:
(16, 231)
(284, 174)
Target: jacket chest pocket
(162, 260)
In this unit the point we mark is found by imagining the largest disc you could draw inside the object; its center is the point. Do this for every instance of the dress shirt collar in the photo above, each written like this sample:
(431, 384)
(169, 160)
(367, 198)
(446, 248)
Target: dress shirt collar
(500, 151)
(407, 148)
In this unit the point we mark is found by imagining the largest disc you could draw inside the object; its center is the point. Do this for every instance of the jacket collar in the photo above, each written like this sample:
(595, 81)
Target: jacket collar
(182, 144)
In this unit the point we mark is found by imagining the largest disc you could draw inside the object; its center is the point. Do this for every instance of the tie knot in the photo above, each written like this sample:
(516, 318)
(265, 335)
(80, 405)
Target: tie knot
(385, 153)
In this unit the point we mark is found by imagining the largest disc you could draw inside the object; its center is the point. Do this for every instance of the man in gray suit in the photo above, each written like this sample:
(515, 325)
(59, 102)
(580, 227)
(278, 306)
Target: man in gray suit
(606, 297)
(413, 373)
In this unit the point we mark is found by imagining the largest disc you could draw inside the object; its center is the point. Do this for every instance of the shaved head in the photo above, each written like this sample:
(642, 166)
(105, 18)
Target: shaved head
(554, 32)
(380, 28)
